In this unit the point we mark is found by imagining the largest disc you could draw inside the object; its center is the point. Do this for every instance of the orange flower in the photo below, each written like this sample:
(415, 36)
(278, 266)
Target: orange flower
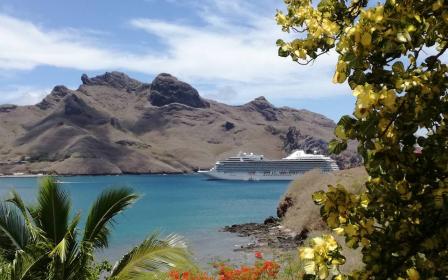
(267, 265)
(262, 269)
(174, 275)
(258, 255)
(185, 275)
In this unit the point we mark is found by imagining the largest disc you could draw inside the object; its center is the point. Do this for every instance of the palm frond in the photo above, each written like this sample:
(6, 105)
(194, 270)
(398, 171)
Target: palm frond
(27, 267)
(63, 247)
(17, 200)
(102, 213)
(14, 234)
(60, 250)
(153, 256)
(53, 210)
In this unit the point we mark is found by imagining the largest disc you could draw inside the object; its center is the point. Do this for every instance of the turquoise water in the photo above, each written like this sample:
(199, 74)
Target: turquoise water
(188, 205)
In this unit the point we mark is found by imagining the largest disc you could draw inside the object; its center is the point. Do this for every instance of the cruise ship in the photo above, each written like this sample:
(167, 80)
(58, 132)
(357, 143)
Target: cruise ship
(253, 167)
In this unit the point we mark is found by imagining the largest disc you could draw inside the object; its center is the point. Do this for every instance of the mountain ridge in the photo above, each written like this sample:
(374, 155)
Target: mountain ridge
(114, 124)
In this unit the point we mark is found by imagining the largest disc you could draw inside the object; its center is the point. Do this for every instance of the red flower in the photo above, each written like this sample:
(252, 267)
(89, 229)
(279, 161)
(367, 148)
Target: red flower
(258, 255)
(174, 275)
(185, 275)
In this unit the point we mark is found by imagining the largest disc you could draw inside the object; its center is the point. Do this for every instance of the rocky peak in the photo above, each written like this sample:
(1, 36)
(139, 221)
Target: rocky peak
(56, 95)
(264, 107)
(167, 89)
(60, 91)
(113, 79)
(261, 103)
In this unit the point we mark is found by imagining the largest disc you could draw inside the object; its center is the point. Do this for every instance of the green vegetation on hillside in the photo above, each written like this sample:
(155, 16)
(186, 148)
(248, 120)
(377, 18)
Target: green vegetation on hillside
(391, 54)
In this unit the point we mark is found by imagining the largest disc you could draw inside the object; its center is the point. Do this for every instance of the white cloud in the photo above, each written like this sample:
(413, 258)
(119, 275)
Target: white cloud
(22, 95)
(24, 46)
(234, 48)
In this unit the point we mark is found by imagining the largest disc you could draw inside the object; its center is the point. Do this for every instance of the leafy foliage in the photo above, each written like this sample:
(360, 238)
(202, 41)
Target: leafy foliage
(393, 56)
(40, 241)
(14, 235)
(109, 204)
(153, 256)
(52, 211)
(324, 252)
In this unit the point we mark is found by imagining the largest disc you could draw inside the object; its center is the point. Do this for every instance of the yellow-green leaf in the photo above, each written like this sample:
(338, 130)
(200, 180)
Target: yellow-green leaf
(306, 253)
(366, 39)
(413, 274)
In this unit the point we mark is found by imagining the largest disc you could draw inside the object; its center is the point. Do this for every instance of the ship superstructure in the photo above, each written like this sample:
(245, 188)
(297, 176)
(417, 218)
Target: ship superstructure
(249, 166)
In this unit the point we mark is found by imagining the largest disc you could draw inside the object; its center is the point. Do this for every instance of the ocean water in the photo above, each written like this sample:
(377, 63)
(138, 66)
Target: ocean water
(189, 205)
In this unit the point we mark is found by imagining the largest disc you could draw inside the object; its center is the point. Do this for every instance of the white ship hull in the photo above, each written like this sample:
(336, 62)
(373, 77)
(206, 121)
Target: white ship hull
(252, 167)
(244, 176)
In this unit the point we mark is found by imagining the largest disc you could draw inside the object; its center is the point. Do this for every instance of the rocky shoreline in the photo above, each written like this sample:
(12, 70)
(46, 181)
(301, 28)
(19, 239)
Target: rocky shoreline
(268, 235)
(38, 174)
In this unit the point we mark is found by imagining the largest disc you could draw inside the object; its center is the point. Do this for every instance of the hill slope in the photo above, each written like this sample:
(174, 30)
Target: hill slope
(297, 209)
(114, 124)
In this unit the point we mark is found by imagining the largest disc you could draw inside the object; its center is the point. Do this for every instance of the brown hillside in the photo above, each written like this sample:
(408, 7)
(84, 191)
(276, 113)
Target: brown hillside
(114, 124)
(296, 207)
(301, 215)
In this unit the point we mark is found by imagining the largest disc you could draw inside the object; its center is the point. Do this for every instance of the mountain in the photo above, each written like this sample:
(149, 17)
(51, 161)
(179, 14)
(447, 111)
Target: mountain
(114, 124)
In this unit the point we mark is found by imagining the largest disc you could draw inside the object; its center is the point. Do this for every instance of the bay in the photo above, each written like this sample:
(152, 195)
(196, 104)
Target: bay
(189, 205)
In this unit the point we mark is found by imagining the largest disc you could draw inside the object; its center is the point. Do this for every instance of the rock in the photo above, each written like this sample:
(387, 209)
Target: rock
(114, 79)
(269, 234)
(56, 95)
(273, 130)
(302, 235)
(271, 220)
(264, 107)
(131, 143)
(166, 89)
(294, 140)
(347, 160)
(115, 123)
(245, 230)
(60, 91)
(228, 125)
(5, 108)
(283, 206)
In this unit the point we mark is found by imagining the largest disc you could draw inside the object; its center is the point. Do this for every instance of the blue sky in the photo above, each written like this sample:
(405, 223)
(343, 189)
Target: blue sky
(224, 48)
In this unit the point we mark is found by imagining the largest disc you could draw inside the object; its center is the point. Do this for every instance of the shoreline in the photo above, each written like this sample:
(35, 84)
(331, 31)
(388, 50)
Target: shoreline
(269, 235)
(33, 175)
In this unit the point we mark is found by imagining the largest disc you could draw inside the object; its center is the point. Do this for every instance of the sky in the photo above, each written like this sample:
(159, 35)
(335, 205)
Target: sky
(224, 48)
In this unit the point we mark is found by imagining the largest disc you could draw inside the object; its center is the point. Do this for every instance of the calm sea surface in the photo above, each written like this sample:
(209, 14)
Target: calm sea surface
(188, 205)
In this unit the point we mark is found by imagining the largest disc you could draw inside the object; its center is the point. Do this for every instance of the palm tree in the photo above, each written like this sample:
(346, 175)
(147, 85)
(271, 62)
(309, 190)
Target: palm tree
(41, 241)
